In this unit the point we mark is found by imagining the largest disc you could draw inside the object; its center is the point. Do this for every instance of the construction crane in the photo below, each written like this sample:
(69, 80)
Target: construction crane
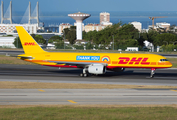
(152, 18)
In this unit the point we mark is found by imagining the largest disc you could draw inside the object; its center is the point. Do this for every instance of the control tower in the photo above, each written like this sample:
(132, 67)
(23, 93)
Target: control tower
(79, 17)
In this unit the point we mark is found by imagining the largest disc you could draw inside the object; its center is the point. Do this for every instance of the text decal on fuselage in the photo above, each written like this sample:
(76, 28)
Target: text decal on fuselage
(134, 60)
(95, 58)
(29, 44)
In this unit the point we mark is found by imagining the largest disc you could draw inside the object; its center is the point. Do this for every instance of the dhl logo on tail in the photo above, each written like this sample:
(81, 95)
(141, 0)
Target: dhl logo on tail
(29, 44)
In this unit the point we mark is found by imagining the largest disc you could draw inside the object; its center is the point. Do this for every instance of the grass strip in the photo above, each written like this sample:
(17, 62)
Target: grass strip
(89, 113)
(173, 61)
(13, 60)
(42, 85)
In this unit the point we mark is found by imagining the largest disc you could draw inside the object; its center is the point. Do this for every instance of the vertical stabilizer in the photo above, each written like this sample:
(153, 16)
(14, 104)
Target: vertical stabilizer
(28, 43)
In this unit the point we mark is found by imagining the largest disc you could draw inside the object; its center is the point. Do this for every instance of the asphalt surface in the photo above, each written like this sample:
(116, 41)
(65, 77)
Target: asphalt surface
(87, 96)
(33, 73)
(37, 73)
(11, 52)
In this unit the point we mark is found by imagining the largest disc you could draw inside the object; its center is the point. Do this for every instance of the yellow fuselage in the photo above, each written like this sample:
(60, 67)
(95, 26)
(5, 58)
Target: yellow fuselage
(113, 60)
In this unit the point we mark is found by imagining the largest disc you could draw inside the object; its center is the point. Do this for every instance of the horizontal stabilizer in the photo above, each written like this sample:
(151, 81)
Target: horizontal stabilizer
(23, 57)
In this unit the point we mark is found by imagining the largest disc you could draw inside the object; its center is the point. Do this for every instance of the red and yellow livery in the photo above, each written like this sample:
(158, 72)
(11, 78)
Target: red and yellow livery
(94, 63)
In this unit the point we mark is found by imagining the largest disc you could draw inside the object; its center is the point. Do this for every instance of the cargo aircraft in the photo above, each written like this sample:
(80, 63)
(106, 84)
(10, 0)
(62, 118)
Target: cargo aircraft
(93, 63)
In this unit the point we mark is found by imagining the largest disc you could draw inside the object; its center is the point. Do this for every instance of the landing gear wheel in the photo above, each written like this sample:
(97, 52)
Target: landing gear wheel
(152, 72)
(81, 75)
(85, 75)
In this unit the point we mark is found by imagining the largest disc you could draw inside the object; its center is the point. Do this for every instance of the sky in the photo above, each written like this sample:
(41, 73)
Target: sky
(94, 5)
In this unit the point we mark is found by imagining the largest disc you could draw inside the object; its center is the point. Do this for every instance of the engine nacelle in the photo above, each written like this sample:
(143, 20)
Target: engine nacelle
(96, 69)
(118, 69)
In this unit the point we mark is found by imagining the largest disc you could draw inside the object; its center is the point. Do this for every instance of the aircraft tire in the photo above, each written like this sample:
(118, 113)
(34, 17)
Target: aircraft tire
(81, 75)
(85, 75)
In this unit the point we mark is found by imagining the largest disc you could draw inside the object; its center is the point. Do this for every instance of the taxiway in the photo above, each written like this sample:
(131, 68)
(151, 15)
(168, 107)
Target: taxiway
(87, 96)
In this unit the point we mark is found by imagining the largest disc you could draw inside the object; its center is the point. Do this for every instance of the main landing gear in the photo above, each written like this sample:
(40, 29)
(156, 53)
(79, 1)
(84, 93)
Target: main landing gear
(85, 73)
(152, 72)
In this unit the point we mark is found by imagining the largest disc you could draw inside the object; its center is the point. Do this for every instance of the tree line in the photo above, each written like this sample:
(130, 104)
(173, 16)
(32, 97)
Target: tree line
(127, 35)
(117, 36)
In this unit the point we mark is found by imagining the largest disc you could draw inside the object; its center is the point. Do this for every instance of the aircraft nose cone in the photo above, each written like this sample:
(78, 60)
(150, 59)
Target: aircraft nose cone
(170, 64)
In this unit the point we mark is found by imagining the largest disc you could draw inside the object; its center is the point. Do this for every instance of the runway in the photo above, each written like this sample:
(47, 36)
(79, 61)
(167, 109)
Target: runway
(37, 73)
(87, 96)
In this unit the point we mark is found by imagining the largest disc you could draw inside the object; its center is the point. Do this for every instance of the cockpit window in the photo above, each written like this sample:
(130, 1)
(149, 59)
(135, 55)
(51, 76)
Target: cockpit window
(162, 60)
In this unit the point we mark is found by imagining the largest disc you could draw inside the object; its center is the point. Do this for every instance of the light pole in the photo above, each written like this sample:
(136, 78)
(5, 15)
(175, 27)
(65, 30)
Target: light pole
(17, 42)
(166, 42)
(139, 35)
(173, 42)
(64, 38)
(113, 41)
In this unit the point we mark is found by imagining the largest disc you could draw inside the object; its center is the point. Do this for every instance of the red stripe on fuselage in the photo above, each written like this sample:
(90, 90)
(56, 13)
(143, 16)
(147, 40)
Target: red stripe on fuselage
(111, 67)
(108, 67)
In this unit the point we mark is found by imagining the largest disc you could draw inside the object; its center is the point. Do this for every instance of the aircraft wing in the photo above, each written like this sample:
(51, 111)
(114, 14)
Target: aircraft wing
(79, 64)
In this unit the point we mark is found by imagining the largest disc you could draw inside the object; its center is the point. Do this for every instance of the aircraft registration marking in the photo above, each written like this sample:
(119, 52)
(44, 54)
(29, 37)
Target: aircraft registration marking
(71, 101)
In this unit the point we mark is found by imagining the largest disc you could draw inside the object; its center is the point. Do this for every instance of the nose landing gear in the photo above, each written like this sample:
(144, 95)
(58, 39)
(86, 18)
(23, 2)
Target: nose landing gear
(152, 72)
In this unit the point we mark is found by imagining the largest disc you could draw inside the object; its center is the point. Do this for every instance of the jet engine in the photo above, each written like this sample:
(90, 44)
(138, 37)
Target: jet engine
(96, 69)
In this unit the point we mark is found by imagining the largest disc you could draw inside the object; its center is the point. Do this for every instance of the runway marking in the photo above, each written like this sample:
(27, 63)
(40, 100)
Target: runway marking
(163, 77)
(174, 90)
(71, 101)
(41, 90)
